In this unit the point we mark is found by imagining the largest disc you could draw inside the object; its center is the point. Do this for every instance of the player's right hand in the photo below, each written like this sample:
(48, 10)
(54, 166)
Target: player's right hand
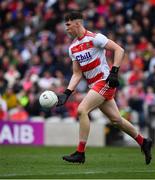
(62, 98)
(112, 79)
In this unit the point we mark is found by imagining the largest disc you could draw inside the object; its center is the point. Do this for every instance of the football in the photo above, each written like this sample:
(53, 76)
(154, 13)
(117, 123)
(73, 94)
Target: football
(48, 99)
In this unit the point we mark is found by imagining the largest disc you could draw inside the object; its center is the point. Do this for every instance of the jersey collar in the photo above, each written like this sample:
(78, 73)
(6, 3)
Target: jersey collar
(80, 38)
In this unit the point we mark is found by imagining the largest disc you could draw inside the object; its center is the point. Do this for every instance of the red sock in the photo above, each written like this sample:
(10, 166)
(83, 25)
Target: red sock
(139, 139)
(81, 146)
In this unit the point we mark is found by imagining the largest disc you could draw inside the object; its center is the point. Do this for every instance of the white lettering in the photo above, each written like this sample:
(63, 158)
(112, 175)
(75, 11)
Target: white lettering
(16, 129)
(21, 134)
(5, 134)
(27, 135)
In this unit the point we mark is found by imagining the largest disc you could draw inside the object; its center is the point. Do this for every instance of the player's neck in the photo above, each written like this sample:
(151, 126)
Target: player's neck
(81, 32)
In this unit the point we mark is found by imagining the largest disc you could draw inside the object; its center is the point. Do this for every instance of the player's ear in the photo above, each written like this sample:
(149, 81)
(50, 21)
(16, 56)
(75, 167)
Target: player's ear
(77, 23)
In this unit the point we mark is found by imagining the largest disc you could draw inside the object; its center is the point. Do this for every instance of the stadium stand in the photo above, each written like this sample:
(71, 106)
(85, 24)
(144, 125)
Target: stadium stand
(34, 54)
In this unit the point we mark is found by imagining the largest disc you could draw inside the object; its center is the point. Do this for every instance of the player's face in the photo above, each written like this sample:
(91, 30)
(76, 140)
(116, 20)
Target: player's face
(71, 28)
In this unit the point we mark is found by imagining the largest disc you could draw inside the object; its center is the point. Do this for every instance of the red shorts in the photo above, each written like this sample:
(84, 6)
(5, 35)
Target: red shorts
(104, 90)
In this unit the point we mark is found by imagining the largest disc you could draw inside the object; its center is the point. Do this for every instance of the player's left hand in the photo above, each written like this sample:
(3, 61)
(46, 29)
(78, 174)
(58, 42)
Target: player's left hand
(62, 98)
(112, 79)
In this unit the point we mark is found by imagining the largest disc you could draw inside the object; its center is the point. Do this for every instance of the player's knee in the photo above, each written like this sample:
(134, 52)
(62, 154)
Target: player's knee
(82, 111)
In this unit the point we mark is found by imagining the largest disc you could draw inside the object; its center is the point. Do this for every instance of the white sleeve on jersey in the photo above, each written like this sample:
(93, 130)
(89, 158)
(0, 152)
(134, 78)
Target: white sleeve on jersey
(71, 55)
(100, 40)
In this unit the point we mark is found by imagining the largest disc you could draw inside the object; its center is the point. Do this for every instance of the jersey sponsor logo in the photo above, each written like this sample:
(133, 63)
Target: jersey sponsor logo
(83, 57)
(82, 47)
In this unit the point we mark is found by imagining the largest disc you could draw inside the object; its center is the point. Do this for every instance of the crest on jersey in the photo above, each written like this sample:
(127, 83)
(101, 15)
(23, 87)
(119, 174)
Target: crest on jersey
(82, 47)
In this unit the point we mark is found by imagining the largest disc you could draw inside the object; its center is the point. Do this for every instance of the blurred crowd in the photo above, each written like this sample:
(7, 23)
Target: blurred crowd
(34, 54)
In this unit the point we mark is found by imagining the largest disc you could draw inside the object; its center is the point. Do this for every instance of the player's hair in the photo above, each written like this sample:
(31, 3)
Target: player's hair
(73, 15)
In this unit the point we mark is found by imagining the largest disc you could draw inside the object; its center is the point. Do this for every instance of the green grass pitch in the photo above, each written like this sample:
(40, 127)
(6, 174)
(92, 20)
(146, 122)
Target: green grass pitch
(46, 162)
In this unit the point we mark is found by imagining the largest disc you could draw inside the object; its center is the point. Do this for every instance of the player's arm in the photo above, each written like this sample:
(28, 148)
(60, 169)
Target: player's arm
(118, 52)
(75, 79)
(112, 79)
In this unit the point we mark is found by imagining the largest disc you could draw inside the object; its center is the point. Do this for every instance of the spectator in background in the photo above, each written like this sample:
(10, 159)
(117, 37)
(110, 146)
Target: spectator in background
(12, 75)
(47, 81)
(47, 63)
(3, 82)
(136, 103)
(2, 53)
(11, 98)
(21, 64)
(150, 96)
(5, 63)
(150, 81)
(152, 63)
(27, 83)
(33, 30)
(136, 74)
(35, 67)
(32, 107)
(3, 110)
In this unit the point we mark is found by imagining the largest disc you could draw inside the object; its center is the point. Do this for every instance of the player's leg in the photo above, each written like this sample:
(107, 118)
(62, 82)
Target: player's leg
(110, 109)
(91, 101)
